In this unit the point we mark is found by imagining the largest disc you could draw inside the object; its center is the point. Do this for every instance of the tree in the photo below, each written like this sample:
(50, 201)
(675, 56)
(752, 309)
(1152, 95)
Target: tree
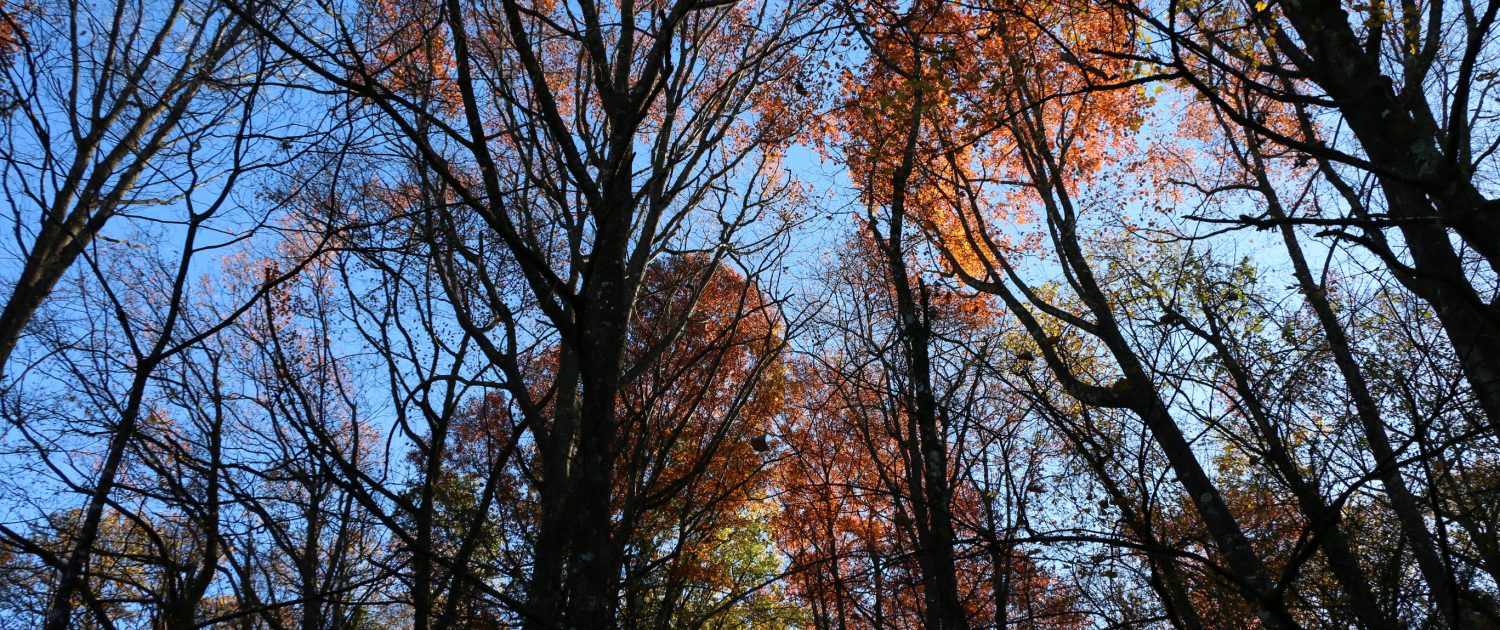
(115, 110)
(364, 314)
(1039, 138)
(1414, 123)
(576, 177)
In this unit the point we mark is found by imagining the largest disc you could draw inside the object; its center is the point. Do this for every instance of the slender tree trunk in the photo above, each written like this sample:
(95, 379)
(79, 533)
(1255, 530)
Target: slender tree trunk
(71, 580)
(930, 488)
(1403, 503)
(927, 463)
(1136, 392)
(1327, 522)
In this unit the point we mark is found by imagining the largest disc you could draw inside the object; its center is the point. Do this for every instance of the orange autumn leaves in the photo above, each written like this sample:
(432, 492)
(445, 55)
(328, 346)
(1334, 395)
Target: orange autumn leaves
(848, 535)
(998, 92)
(410, 51)
(954, 120)
(698, 412)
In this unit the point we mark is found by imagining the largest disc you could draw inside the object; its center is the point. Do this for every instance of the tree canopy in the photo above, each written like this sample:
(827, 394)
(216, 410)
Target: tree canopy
(780, 314)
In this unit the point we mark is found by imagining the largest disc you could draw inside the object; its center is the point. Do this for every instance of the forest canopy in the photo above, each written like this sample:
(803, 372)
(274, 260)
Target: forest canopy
(772, 314)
